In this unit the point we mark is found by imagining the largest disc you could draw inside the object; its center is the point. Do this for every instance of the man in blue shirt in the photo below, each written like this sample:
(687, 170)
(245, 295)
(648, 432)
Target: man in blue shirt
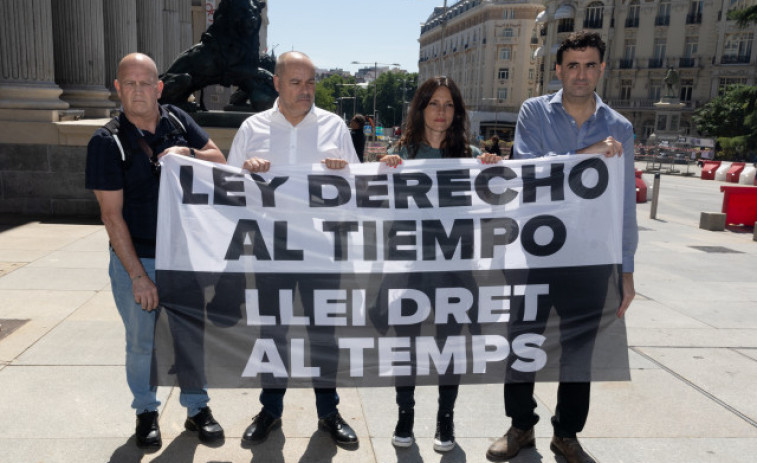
(572, 121)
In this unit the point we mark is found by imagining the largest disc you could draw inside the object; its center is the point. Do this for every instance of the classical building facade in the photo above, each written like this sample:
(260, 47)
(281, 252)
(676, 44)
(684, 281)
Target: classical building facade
(59, 58)
(648, 38)
(488, 48)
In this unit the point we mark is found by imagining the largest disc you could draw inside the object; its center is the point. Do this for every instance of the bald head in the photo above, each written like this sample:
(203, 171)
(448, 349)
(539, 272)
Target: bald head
(137, 60)
(289, 58)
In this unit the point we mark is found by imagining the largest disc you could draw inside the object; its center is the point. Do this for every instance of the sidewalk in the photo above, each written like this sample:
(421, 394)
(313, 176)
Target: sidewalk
(692, 333)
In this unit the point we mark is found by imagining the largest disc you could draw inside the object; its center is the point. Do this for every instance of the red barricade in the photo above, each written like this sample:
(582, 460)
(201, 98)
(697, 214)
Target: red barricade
(739, 204)
(708, 170)
(732, 176)
(641, 188)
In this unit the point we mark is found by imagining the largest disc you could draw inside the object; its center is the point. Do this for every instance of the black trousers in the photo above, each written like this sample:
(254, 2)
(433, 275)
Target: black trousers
(570, 414)
(578, 298)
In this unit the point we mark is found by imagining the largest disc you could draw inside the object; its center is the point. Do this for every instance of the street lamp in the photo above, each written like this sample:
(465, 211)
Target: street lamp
(354, 99)
(375, 86)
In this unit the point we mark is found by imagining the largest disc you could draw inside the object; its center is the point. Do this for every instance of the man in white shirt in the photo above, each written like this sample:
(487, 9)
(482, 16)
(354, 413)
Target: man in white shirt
(294, 131)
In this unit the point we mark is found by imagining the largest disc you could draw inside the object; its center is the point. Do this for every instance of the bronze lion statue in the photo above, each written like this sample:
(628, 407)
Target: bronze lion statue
(228, 54)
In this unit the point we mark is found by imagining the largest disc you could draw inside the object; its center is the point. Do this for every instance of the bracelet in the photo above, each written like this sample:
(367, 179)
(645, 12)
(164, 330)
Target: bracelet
(138, 277)
(192, 152)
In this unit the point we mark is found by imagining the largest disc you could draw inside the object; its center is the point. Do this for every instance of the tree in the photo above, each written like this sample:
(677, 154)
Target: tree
(391, 88)
(744, 17)
(732, 117)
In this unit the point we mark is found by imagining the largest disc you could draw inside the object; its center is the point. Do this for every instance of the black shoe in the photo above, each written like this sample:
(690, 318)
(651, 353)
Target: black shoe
(262, 425)
(148, 432)
(444, 439)
(208, 427)
(340, 431)
(403, 432)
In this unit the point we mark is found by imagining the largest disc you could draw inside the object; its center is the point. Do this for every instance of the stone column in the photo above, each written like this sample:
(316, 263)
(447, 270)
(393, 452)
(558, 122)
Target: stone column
(171, 32)
(150, 30)
(27, 72)
(185, 24)
(120, 19)
(80, 55)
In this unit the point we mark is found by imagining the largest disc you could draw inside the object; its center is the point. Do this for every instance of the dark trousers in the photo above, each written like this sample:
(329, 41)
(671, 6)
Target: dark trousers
(447, 396)
(326, 400)
(570, 414)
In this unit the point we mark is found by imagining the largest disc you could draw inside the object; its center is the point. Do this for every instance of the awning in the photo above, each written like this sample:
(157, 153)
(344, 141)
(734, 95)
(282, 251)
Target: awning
(541, 17)
(539, 52)
(564, 12)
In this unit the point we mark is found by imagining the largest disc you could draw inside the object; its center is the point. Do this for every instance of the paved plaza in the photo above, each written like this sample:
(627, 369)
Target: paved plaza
(692, 332)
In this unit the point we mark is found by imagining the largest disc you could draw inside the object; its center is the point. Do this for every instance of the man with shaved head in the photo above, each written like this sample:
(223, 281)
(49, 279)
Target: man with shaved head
(294, 131)
(124, 173)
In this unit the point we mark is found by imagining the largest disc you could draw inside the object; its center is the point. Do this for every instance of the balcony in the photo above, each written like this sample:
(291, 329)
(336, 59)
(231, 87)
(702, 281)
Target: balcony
(662, 20)
(687, 62)
(632, 22)
(625, 64)
(655, 63)
(592, 24)
(694, 18)
(735, 59)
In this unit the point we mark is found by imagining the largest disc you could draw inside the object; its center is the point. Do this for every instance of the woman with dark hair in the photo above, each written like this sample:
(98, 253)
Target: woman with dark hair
(437, 127)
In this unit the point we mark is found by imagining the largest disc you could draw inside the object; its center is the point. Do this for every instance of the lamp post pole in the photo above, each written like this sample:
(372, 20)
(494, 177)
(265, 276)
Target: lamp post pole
(375, 86)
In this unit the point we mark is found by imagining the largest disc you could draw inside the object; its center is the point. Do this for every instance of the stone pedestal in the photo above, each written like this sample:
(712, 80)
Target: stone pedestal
(713, 221)
(79, 51)
(27, 72)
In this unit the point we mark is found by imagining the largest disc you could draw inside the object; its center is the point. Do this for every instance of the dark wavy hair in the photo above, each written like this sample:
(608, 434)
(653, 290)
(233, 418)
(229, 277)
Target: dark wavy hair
(455, 144)
(581, 40)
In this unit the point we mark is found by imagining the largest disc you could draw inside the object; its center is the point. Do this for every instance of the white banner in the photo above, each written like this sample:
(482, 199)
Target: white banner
(437, 271)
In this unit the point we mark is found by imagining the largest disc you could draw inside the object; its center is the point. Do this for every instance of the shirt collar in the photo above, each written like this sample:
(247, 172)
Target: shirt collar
(600, 105)
(278, 114)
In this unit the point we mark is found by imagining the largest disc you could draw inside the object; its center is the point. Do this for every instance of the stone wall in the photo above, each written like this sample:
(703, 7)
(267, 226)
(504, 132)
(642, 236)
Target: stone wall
(44, 180)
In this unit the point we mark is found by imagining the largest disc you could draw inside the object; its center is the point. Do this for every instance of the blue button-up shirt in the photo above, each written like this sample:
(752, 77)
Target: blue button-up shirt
(544, 128)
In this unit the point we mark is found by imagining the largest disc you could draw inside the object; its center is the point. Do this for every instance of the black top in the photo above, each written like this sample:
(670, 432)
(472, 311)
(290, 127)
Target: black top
(358, 140)
(106, 171)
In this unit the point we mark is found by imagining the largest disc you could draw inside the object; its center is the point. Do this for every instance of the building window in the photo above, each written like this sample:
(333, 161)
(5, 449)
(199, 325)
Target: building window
(505, 53)
(738, 48)
(663, 14)
(593, 19)
(694, 15)
(629, 54)
(632, 18)
(687, 88)
(509, 13)
(507, 32)
(501, 93)
(625, 89)
(726, 82)
(531, 74)
(662, 122)
(503, 74)
(565, 25)
(658, 55)
(655, 89)
(689, 52)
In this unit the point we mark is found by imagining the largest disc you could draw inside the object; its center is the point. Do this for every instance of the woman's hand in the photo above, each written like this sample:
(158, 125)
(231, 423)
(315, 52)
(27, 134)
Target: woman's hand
(391, 160)
(489, 158)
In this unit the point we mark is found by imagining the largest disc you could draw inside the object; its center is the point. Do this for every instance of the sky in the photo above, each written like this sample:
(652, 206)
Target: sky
(334, 33)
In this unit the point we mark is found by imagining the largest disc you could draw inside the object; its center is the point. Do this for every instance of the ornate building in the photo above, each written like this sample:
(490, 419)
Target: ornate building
(487, 47)
(646, 38)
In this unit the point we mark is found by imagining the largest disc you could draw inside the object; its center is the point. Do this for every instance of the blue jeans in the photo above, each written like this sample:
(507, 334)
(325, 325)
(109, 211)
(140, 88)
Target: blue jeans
(140, 332)
(326, 400)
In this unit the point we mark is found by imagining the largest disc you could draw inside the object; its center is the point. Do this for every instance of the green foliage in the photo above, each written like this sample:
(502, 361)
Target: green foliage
(732, 118)
(744, 17)
(335, 93)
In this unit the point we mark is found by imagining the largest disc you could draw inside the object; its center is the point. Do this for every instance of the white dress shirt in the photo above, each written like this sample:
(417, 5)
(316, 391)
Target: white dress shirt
(270, 136)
